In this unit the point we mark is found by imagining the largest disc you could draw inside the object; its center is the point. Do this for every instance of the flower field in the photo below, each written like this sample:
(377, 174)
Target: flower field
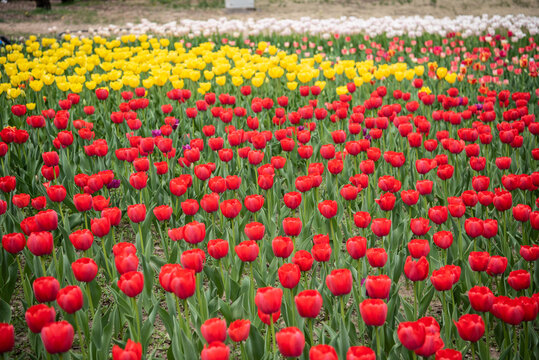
(310, 194)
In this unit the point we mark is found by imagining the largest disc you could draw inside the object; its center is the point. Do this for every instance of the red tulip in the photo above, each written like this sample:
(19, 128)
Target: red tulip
(268, 299)
(478, 260)
(84, 269)
(193, 259)
(322, 352)
(14, 242)
(529, 252)
(254, 231)
(131, 283)
(362, 220)
(38, 316)
(70, 299)
(377, 257)
(126, 262)
(411, 334)
(46, 289)
(356, 247)
(438, 214)
(373, 312)
(519, 279)
(443, 239)
(292, 226)
(218, 248)
(136, 213)
(381, 227)
(194, 232)
(448, 354)
(83, 202)
(416, 270)
(247, 251)
(100, 227)
(254, 203)
(183, 283)
(418, 248)
(215, 351)
(163, 212)
(360, 353)
(378, 286)
(481, 298)
(82, 239)
(308, 303)
(214, 330)
(57, 337)
(282, 246)
(303, 259)
(40, 243)
(442, 279)
(328, 208)
(238, 330)
(471, 327)
(473, 227)
(230, 208)
(290, 341)
(132, 351)
(496, 265)
(339, 282)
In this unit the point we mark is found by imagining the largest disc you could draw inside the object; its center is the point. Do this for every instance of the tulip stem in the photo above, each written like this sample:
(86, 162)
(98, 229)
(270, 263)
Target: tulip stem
(378, 351)
(515, 338)
(415, 300)
(414, 355)
(90, 302)
(199, 297)
(105, 258)
(251, 289)
(43, 266)
(473, 351)
(310, 321)
(141, 240)
(55, 261)
(446, 321)
(137, 317)
(341, 298)
(187, 317)
(272, 334)
(81, 343)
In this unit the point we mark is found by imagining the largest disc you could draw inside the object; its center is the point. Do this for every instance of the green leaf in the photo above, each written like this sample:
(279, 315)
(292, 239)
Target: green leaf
(5, 311)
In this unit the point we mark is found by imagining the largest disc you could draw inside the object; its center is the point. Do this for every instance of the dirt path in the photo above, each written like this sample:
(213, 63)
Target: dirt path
(21, 17)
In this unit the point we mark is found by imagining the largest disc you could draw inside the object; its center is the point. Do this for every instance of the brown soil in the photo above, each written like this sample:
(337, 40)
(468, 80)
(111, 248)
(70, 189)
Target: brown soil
(21, 17)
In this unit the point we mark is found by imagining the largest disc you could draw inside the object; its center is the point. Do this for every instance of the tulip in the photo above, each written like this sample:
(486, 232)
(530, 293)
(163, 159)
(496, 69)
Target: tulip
(292, 226)
(303, 259)
(217, 248)
(322, 352)
(290, 342)
(377, 257)
(162, 213)
(238, 330)
(100, 227)
(57, 337)
(183, 283)
(360, 353)
(471, 327)
(380, 227)
(411, 334)
(448, 354)
(418, 248)
(7, 338)
(215, 351)
(14, 242)
(419, 226)
(289, 275)
(378, 286)
(132, 351)
(70, 299)
(131, 283)
(519, 279)
(136, 213)
(193, 259)
(84, 269)
(194, 232)
(481, 298)
(214, 330)
(38, 316)
(40, 243)
(282, 246)
(254, 231)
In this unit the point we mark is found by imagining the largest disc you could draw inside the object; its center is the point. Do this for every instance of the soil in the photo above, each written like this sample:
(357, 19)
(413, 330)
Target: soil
(18, 17)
